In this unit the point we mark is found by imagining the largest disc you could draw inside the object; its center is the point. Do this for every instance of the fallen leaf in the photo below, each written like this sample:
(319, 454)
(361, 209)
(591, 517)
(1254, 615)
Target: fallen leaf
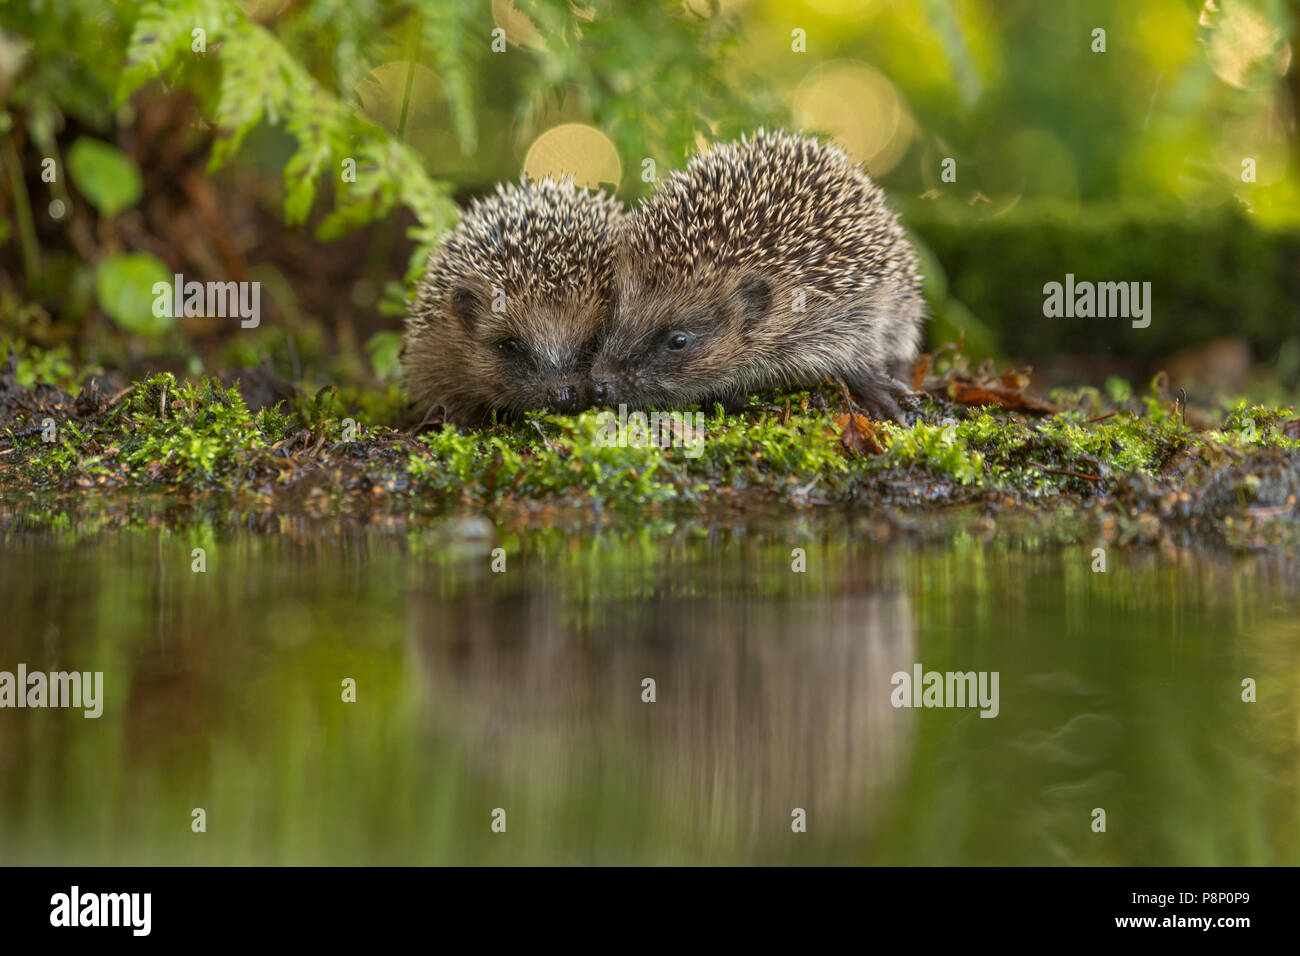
(965, 393)
(920, 369)
(858, 435)
(1019, 380)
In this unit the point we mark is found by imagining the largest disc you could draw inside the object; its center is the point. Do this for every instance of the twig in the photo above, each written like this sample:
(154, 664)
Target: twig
(112, 402)
(1065, 471)
(545, 441)
(848, 400)
(1267, 511)
(31, 249)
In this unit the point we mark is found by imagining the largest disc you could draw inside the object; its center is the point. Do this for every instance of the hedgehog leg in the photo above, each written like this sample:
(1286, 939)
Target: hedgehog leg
(735, 403)
(880, 394)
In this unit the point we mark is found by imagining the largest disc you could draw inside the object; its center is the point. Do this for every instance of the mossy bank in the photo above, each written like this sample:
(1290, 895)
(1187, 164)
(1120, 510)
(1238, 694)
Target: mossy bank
(1138, 462)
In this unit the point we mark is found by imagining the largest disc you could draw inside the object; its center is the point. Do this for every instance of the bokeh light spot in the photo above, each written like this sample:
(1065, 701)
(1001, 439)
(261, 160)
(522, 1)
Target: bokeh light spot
(860, 108)
(574, 150)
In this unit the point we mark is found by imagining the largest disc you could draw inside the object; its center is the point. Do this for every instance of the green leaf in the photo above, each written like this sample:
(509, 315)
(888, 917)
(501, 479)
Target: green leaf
(163, 34)
(124, 286)
(446, 28)
(104, 175)
(384, 349)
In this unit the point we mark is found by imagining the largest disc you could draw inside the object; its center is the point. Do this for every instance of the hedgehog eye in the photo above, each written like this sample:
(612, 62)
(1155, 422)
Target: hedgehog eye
(678, 340)
(510, 347)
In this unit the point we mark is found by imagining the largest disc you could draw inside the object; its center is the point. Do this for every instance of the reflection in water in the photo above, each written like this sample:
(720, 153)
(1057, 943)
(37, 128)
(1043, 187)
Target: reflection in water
(523, 691)
(760, 707)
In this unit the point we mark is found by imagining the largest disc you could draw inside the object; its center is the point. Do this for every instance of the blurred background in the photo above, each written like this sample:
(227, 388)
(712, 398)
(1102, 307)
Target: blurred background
(322, 146)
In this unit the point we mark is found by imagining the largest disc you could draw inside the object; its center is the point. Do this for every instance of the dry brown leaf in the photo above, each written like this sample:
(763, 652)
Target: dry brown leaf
(1017, 379)
(920, 369)
(965, 393)
(858, 435)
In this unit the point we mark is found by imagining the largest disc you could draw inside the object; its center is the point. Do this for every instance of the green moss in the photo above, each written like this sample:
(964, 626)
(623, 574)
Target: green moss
(165, 433)
(200, 435)
(950, 450)
(53, 365)
(1254, 422)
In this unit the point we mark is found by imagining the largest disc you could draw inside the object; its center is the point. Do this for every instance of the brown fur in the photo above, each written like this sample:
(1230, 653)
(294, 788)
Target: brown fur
(512, 303)
(717, 257)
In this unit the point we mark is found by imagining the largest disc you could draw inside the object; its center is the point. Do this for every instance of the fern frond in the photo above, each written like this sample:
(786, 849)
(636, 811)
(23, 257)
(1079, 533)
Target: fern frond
(163, 33)
(389, 172)
(322, 144)
(262, 82)
(448, 30)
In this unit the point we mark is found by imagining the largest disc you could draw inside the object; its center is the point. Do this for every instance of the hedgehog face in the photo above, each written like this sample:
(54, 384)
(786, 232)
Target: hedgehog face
(771, 261)
(679, 349)
(528, 355)
(511, 304)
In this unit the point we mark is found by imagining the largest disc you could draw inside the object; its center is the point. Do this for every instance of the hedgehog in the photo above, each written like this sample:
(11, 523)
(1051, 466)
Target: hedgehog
(769, 262)
(508, 314)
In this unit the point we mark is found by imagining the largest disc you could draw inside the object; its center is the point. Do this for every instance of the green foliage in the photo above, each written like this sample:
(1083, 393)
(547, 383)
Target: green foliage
(1203, 268)
(1118, 390)
(104, 175)
(188, 432)
(654, 76)
(1048, 455)
(64, 56)
(448, 30)
(372, 170)
(261, 81)
(166, 433)
(945, 449)
(55, 365)
(1255, 422)
(163, 32)
(124, 286)
(384, 349)
(743, 453)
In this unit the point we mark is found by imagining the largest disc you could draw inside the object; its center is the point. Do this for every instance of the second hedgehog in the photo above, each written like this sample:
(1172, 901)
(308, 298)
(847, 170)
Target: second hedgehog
(771, 262)
(512, 303)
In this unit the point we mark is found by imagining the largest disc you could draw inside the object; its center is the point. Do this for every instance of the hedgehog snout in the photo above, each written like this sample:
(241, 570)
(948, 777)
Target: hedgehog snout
(563, 398)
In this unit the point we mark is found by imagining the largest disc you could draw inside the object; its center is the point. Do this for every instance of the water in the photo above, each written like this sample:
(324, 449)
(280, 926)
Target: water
(523, 691)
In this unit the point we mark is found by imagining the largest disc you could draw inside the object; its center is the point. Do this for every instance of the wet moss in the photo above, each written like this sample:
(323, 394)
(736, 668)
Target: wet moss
(195, 437)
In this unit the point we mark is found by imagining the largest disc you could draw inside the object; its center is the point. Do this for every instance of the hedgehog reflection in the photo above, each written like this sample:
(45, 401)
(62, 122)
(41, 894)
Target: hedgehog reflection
(760, 706)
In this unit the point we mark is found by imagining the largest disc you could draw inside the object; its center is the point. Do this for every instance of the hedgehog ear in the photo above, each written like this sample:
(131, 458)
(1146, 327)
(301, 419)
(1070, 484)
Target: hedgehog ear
(466, 303)
(754, 297)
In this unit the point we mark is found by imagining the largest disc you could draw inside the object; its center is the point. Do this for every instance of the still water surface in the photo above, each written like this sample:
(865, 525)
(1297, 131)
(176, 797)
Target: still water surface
(523, 691)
